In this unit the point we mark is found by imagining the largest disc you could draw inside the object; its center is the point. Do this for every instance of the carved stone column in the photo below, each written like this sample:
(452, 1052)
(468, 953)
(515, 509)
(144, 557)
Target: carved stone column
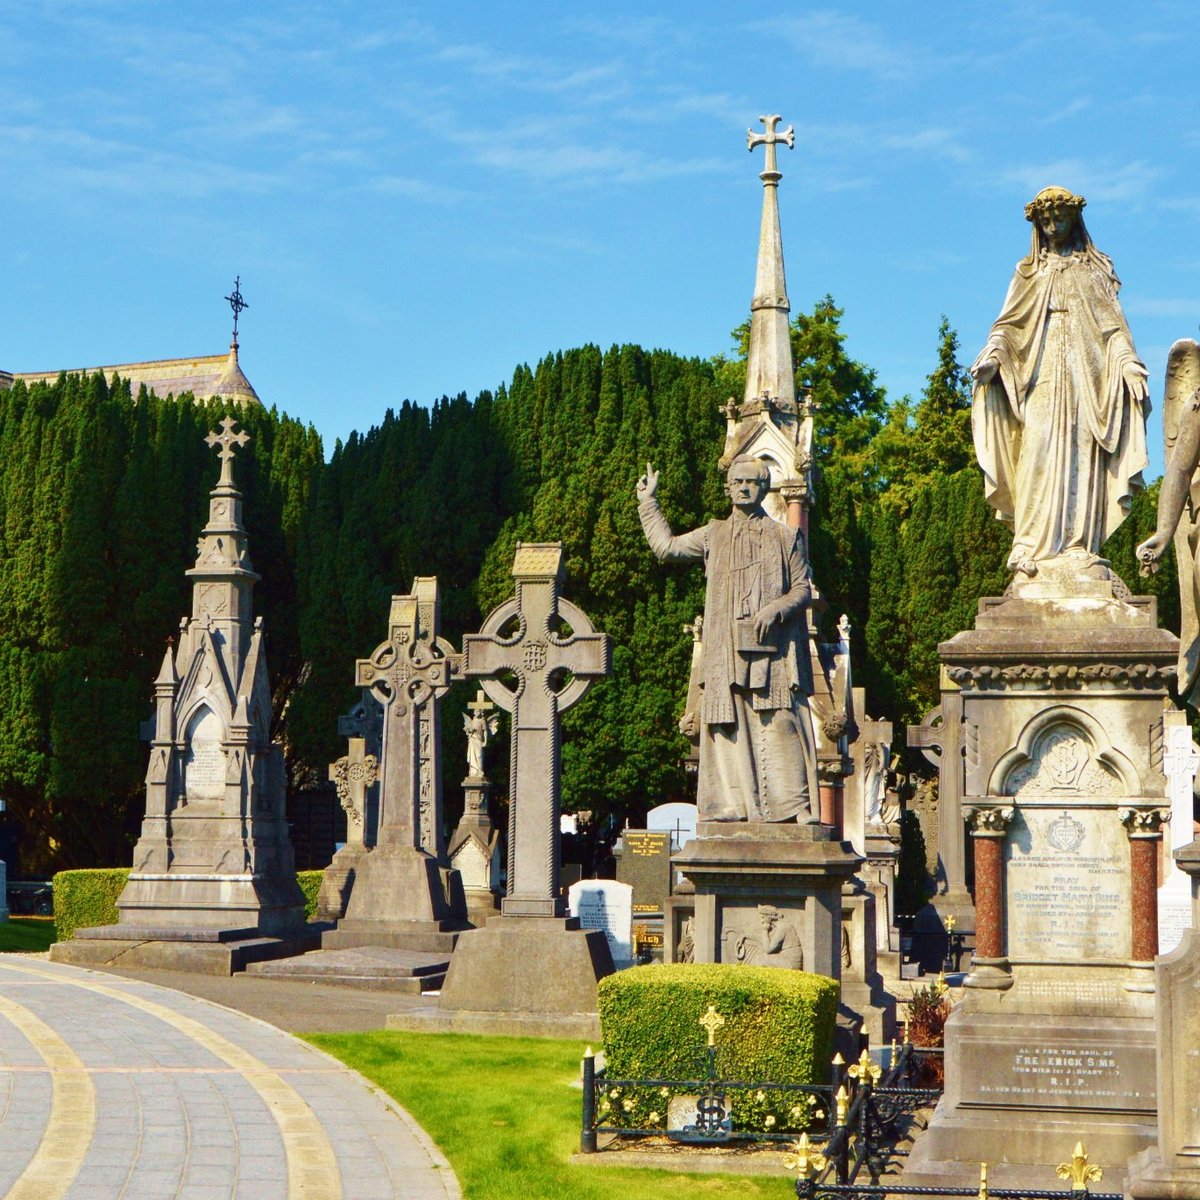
(989, 964)
(1144, 826)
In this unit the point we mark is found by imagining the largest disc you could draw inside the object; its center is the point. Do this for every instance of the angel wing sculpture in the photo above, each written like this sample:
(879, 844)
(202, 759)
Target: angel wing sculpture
(1179, 505)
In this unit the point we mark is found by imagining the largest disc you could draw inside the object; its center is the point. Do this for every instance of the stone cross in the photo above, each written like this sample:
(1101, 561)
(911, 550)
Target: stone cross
(711, 1021)
(408, 674)
(353, 775)
(553, 669)
(770, 139)
(227, 439)
(940, 739)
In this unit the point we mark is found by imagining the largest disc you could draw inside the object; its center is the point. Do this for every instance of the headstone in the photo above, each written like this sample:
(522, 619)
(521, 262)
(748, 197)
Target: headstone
(645, 864)
(1180, 761)
(355, 776)
(607, 905)
(400, 898)
(531, 964)
(213, 884)
(678, 819)
(474, 846)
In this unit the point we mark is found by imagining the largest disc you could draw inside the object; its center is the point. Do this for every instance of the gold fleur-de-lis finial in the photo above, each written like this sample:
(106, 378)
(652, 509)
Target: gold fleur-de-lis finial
(843, 1104)
(805, 1160)
(865, 1069)
(712, 1021)
(1079, 1171)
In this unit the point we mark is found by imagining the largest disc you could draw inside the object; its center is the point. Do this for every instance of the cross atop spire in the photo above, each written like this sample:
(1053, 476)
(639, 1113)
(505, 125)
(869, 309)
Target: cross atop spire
(238, 304)
(227, 439)
(770, 139)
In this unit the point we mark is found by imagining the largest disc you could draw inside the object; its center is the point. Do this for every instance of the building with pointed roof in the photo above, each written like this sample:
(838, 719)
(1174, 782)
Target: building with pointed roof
(218, 375)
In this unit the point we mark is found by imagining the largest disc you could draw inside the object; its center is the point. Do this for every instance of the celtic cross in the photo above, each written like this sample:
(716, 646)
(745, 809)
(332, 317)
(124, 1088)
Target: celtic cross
(712, 1021)
(523, 638)
(406, 672)
(770, 139)
(227, 439)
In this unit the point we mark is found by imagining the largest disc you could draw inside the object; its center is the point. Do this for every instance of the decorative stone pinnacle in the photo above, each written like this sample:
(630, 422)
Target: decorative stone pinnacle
(770, 175)
(712, 1021)
(227, 439)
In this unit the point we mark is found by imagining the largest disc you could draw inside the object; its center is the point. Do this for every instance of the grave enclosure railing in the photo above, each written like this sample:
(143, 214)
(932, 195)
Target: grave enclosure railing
(857, 1117)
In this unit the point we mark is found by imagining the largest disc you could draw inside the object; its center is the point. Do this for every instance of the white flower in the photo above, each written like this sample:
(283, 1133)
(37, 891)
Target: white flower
(768, 1121)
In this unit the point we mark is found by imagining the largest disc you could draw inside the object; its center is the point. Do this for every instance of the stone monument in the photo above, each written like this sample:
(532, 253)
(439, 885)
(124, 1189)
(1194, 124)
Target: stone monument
(1170, 1170)
(401, 897)
(213, 885)
(768, 772)
(1061, 704)
(356, 777)
(474, 846)
(532, 967)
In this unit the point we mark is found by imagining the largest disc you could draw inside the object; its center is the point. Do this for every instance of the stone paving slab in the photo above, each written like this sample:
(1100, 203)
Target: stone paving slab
(114, 1087)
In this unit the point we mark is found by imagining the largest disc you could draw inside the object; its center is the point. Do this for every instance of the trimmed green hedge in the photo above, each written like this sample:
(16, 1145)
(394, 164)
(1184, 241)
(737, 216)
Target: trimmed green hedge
(86, 898)
(310, 885)
(779, 1027)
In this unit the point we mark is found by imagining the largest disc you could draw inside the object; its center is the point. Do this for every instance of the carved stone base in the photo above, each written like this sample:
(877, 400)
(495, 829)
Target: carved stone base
(400, 884)
(527, 965)
(337, 882)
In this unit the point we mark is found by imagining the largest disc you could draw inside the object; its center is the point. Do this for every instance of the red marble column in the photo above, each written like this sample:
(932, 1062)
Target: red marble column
(1144, 826)
(989, 893)
(829, 805)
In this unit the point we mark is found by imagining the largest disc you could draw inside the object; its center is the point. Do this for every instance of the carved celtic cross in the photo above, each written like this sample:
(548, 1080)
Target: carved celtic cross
(523, 638)
(770, 139)
(227, 439)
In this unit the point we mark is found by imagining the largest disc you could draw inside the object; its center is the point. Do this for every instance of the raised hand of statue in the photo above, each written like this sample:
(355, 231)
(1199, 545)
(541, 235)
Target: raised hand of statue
(647, 485)
(1134, 376)
(1150, 551)
(985, 372)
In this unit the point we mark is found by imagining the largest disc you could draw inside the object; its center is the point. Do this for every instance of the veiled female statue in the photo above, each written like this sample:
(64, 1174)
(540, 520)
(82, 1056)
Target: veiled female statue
(1060, 400)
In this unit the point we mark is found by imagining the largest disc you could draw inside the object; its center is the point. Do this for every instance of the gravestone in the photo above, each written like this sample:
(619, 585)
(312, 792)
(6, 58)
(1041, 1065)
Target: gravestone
(645, 864)
(607, 905)
(532, 967)
(213, 885)
(400, 898)
(1170, 1170)
(474, 847)
(1180, 761)
(678, 819)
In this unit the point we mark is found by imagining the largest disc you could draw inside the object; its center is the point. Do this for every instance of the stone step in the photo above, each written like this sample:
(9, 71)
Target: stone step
(377, 968)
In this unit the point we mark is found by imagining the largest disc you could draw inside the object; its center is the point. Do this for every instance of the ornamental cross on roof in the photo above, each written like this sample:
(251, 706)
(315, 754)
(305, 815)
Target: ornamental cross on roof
(227, 439)
(237, 304)
(771, 139)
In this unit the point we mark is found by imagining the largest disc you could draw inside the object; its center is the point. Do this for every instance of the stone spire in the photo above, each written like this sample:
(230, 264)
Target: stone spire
(223, 578)
(769, 361)
(769, 424)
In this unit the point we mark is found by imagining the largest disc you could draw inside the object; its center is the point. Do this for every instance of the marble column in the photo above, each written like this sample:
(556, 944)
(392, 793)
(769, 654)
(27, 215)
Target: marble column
(989, 964)
(1144, 826)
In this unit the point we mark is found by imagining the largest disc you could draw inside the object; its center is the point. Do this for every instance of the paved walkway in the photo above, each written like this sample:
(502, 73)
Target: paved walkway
(113, 1087)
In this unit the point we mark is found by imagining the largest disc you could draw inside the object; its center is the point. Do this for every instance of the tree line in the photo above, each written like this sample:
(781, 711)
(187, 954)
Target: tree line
(103, 493)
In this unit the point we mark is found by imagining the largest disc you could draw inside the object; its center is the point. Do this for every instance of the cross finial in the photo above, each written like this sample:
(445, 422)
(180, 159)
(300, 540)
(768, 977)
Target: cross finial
(770, 139)
(481, 705)
(227, 439)
(237, 304)
(712, 1021)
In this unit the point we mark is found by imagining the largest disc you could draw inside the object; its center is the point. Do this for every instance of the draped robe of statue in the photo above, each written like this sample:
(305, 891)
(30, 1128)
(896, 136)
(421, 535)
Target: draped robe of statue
(1061, 442)
(757, 750)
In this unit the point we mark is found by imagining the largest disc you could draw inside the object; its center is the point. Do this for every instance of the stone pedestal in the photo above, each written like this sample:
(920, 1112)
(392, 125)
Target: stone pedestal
(472, 852)
(863, 992)
(770, 895)
(1171, 1169)
(1063, 688)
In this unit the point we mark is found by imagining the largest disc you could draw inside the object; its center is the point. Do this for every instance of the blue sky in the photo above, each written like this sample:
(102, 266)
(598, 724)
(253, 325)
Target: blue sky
(418, 198)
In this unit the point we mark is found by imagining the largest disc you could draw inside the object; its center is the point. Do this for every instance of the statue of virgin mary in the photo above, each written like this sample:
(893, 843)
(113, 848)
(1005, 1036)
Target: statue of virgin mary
(1060, 398)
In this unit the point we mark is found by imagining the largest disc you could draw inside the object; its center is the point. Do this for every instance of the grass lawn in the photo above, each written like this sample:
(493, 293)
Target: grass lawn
(26, 933)
(505, 1114)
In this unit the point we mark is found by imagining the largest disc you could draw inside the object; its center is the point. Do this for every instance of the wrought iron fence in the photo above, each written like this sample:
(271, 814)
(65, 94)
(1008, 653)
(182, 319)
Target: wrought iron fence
(858, 1115)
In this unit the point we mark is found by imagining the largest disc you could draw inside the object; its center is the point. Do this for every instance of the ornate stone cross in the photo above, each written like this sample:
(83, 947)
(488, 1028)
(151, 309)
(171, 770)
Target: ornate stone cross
(227, 439)
(406, 672)
(712, 1021)
(353, 775)
(553, 669)
(770, 139)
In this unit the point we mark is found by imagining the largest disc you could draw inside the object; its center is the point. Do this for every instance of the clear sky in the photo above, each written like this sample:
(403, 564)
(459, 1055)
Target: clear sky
(419, 197)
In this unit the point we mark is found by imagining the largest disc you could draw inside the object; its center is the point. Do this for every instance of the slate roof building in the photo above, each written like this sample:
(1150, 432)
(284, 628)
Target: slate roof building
(205, 377)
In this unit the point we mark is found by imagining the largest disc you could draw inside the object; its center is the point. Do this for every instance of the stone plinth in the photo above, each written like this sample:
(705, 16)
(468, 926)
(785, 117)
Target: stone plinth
(1062, 691)
(769, 895)
(1171, 1169)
